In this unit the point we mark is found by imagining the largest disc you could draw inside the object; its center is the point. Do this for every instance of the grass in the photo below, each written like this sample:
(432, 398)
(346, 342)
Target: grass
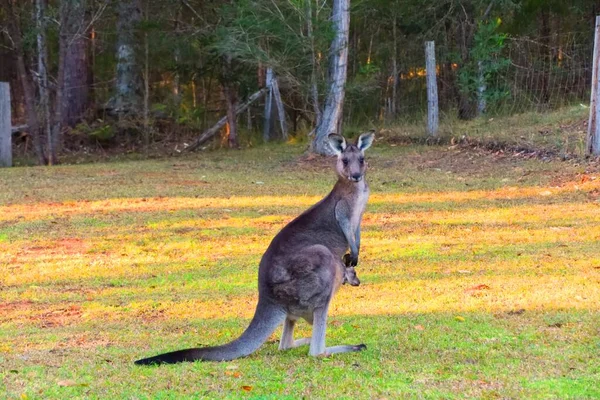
(561, 132)
(480, 277)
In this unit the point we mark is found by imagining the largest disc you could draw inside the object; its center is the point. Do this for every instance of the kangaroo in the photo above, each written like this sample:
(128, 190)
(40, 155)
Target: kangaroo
(350, 277)
(302, 268)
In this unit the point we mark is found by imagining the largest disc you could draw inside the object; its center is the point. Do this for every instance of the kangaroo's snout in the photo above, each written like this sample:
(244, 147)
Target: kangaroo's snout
(356, 177)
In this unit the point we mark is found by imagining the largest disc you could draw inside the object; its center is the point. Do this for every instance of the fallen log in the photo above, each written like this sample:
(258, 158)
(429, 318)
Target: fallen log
(212, 131)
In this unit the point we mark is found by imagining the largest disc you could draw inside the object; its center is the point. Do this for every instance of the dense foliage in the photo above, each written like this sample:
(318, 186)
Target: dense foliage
(179, 63)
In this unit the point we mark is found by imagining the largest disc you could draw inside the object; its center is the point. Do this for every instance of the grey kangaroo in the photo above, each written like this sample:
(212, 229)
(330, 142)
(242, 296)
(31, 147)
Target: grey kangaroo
(350, 277)
(303, 268)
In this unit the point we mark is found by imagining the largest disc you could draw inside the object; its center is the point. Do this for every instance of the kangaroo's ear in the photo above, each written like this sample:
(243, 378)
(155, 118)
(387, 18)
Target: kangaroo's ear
(365, 140)
(337, 143)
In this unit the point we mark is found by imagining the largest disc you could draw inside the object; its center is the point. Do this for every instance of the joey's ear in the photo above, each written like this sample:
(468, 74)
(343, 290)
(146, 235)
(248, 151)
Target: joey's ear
(337, 143)
(365, 140)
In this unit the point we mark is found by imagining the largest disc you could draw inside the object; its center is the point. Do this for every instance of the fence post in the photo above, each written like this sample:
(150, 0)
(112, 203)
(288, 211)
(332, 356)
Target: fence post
(433, 116)
(5, 126)
(593, 135)
(280, 108)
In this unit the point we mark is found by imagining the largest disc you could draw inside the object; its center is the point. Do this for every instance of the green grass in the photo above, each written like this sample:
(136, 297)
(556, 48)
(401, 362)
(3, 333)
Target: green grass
(561, 132)
(480, 277)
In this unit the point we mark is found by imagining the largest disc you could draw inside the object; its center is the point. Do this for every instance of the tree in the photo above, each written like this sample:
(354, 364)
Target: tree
(16, 37)
(128, 97)
(74, 50)
(334, 104)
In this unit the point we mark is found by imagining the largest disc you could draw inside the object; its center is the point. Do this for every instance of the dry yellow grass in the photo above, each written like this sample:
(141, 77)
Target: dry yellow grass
(445, 260)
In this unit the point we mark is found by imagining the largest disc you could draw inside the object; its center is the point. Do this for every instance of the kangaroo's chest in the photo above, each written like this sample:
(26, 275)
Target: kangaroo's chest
(360, 203)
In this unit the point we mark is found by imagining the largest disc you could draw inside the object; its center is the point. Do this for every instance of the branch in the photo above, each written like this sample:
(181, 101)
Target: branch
(488, 10)
(188, 5)
(211, 132)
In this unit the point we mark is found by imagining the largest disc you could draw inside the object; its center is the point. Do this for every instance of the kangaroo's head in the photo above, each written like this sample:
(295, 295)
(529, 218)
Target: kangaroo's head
(351, 163)
(350, 277)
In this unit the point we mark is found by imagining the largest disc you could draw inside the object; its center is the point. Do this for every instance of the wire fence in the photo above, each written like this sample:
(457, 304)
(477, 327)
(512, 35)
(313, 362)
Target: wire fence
(540, 74)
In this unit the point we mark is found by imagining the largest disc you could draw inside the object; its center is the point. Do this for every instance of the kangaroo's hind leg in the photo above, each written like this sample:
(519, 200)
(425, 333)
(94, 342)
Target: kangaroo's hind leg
(317, 344)
(287, 337)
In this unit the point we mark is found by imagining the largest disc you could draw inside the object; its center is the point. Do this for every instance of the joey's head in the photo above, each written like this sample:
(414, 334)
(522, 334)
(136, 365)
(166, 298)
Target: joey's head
(351, 163)
(350, 277)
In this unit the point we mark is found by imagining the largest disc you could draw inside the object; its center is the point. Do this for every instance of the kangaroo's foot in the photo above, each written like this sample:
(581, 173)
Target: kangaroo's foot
(296, 343)
(345, 349)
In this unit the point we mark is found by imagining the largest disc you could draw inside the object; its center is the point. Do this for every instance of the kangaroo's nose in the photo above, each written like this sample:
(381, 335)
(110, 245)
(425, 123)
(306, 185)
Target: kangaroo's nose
(356, 177)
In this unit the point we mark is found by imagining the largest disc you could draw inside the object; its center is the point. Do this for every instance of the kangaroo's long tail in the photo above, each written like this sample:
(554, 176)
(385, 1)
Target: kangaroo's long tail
(266, 319)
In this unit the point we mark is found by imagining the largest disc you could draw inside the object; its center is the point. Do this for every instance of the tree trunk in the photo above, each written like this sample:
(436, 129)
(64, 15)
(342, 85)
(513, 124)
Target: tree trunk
(9, 74)
(146, 89)
(314, 89)
(75, 63)
(25, 81)
(128, 99)
(394, 106)
(467, 107)
(332, 115)
(546, 41)
(92, 67)
(42, 76)
(176, 84)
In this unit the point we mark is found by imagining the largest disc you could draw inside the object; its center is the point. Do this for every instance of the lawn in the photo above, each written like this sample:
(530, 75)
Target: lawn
(480, 277)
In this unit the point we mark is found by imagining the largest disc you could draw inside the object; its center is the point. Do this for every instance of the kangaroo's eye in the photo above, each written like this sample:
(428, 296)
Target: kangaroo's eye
(361, 160)
(345, 161)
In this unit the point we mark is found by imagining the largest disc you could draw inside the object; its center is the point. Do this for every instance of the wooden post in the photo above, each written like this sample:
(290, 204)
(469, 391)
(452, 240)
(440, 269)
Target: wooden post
(268, 106)
(5, 126)
(280, 108)
(433, 116)
(593, 135)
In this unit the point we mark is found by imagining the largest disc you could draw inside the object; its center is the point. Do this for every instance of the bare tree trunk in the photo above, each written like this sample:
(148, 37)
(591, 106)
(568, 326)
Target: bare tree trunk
(42, 72)
(546, 41)
(128, 99)
(74, 86)
(314, 89)
(9, 74)
(176, 88)
(92, 68)
(147, 89)
(25, 80)
(394, 106)
(467, 107)
(332, 115)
